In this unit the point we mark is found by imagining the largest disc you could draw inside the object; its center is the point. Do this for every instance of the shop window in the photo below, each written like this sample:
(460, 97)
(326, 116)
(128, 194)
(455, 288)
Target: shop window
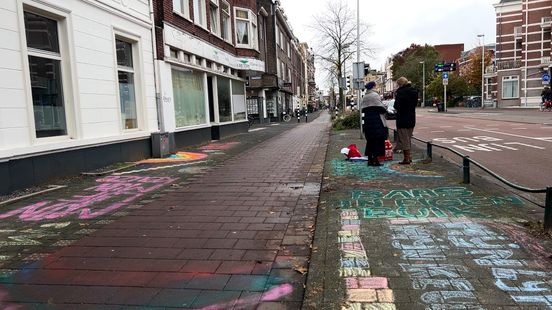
(510, 87)
(238, 100)
(45, 69)
(189, 98)
(224, 100)
(127, 89)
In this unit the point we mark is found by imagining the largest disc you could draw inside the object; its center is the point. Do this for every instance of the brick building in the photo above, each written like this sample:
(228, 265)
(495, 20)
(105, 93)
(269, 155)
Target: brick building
(522, 51)
(449, 52)
(281, 88)
(205, 49)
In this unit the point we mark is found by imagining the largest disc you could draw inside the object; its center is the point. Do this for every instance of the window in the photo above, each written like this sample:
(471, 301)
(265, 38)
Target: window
(189, 98)
(214, 17)
(127, 93)
(510, 87)
(277, 35)
(238, 99)
(199, 13)
(45, 75)
(182, 7)
(246, 29)
(278, 67)
(225, 21)
(224, 101)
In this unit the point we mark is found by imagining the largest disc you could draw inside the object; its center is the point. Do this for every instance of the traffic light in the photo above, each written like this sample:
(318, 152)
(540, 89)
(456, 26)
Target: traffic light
(366, 69)
(348, 85)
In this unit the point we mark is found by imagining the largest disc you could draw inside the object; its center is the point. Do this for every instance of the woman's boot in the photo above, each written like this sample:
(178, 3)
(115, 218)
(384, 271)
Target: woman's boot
(407, 160)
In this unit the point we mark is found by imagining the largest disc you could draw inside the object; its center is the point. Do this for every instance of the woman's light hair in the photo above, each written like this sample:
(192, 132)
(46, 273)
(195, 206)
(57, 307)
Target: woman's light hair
(402, 81)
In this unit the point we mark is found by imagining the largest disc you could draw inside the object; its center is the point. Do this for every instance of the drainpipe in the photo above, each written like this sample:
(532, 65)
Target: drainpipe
(158, 103)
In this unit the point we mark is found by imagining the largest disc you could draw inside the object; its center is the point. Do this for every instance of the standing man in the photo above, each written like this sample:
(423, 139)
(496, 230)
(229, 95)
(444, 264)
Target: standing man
(406, 99)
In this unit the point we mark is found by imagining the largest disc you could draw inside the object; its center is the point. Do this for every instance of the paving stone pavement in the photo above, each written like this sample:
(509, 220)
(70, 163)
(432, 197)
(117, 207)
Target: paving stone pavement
(415, 237)
(236, 235)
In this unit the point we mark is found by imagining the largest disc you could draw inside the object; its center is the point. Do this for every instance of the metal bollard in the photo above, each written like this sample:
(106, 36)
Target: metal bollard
(429, 150)
(548, 210)
(306, 118)
(298, 118)
(395, 135)
(466, 168)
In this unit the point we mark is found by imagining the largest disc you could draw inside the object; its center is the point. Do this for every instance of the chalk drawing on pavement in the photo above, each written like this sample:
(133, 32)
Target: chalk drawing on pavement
(364, 291)
(365, 173)
(426, 247)
(175, 158)
(160, 168)
(422, 203)
(121, 189)
(219, 146)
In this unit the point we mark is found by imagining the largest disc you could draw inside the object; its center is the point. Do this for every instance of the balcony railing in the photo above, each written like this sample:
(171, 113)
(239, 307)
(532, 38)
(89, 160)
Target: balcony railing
(490, 69)
(545, 61)
(546, 22)
(518, 32)
(508, 64)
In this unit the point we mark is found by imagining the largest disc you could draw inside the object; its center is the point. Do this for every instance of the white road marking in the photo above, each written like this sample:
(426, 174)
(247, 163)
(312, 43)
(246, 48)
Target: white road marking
(527, 145)
(464, 130)
(275, 124)
(512, 134)
(520, 128)
(436, 131)
(445, 126)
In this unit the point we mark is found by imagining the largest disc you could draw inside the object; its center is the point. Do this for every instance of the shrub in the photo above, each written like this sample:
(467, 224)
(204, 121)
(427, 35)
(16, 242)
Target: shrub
(349, 121)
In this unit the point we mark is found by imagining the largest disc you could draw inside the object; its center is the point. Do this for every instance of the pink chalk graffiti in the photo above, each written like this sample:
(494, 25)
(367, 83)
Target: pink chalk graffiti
(270, 295)
(128, 187)
(219, 146)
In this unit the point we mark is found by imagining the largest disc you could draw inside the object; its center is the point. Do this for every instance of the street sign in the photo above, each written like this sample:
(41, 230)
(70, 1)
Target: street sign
(358, 70)
(445, 82)
(445, 75)
(445, 67)
(546, 77)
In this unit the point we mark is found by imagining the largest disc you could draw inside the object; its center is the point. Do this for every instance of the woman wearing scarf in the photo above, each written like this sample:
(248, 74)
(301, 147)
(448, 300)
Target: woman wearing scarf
(374, 125)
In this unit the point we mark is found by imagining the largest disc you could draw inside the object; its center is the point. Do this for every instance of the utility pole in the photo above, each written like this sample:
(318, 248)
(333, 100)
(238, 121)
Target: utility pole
(358, 60)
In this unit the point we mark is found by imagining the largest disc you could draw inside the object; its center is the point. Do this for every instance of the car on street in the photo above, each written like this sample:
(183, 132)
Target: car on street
(390, 106)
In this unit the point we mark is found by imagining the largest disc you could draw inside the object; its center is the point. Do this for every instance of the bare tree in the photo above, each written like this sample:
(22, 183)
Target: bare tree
(336, 30)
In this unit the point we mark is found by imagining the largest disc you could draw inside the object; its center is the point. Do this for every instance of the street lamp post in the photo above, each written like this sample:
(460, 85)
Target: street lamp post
(423, 83)
(482, 69)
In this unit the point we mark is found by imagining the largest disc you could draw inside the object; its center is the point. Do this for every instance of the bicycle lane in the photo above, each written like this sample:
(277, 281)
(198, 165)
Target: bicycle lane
(414, 237)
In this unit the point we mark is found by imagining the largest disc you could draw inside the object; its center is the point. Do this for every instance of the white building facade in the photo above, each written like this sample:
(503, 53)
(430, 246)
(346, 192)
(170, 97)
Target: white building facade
(78, 86)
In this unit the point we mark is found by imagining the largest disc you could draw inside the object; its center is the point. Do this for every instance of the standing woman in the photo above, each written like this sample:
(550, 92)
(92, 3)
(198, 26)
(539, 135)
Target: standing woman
(406, 99)
(374, 125)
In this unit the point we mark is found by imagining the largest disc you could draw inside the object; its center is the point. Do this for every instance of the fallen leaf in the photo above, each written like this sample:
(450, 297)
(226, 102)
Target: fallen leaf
(301, 270)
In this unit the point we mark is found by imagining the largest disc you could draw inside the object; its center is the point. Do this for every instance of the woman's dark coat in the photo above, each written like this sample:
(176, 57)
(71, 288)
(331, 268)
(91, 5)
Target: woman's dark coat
(374, 130)
(406, 100)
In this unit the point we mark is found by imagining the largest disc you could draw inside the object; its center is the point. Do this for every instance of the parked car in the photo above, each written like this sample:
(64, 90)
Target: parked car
(390, 105)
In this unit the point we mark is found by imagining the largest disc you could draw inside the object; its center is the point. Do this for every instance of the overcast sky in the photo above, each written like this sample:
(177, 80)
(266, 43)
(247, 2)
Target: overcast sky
(395, 24)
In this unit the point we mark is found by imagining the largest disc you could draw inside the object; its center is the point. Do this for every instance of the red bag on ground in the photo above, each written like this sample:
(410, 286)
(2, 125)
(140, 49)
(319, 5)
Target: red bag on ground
(353, 151)
(388, 152)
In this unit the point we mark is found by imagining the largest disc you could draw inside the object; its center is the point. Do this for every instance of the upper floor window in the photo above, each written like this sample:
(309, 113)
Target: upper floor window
(246, 28)
(510, 87)
(182, 7)
(225, 21)
(45, 69)
(199, 13)
(214, 16)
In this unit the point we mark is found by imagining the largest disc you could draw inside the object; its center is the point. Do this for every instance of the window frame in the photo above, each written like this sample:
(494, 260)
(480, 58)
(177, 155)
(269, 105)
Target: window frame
(228, 14)
(135, 70)
(217, 23)
(252, 28)
(510, 79)
(184, 8)
(65, 58)
(202, 7)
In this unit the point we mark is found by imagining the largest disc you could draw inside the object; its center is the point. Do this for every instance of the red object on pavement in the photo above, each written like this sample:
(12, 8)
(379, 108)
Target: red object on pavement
(388, 152)
(353, 151)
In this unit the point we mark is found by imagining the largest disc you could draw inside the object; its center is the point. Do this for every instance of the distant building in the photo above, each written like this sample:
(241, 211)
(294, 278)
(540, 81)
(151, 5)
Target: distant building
(449, 52)
(523, 43)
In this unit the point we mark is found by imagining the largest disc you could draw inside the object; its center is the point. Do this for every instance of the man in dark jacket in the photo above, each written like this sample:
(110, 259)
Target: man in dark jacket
(406, 99)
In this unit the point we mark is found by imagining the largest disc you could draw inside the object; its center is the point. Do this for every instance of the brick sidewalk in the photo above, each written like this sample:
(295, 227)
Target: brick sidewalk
(237, 237)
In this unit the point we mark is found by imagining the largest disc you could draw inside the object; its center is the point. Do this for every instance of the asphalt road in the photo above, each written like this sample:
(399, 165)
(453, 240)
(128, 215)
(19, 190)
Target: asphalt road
(513, 143)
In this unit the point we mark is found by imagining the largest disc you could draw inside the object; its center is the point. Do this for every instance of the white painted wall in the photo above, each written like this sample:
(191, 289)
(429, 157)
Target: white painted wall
(92, 107)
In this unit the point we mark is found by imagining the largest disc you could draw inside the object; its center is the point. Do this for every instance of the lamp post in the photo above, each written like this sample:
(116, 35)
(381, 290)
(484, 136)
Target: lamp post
(423, 83)
(482, 69)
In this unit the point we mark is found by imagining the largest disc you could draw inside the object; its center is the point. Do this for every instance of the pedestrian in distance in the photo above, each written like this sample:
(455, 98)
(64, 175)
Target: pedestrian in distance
(374, 125)
(546, 97)
(406, 99)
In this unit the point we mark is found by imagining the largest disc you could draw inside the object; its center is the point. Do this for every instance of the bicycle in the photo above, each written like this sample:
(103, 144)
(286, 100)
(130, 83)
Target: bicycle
(250, 120)
(286, 117)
